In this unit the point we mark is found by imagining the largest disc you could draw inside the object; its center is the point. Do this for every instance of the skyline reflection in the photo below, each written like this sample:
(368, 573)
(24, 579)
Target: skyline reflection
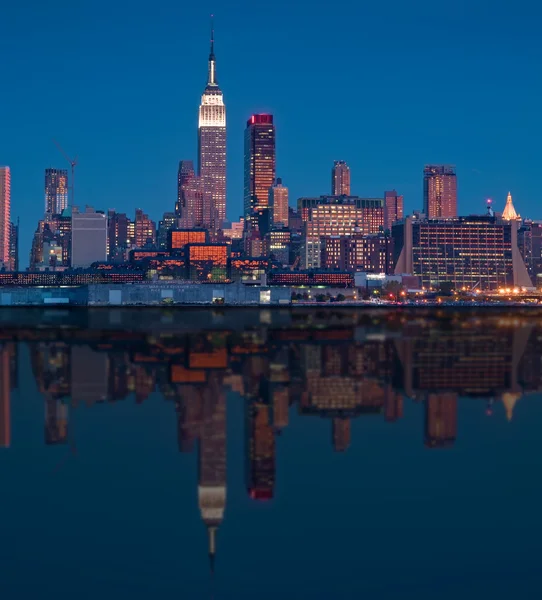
(340, 367)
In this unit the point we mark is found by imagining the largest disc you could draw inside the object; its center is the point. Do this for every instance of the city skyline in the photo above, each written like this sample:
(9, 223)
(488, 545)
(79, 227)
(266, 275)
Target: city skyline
(477, 182)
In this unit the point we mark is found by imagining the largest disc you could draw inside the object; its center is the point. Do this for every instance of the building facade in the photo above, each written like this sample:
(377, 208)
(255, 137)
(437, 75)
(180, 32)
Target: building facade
(340, 179)
(278, 204)
(89, 237)
(478, 252)
(259, 162)
(189, 206)
(439, 191)
(212, 149)
(337, 216)
(5, 216)
(56, 191)
(145, 229)
(14, 247)
(393, 208)
(366, 253)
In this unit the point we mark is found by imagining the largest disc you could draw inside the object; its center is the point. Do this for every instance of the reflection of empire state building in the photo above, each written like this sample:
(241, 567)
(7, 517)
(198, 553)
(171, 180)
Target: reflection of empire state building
(212, 460)
(212, 149)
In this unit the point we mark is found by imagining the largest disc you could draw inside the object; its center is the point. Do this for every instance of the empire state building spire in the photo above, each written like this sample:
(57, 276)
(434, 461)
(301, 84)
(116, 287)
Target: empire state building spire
(211, 81)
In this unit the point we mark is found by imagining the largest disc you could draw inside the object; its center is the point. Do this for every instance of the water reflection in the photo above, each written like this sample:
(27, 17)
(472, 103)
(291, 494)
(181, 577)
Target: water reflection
(339, 367)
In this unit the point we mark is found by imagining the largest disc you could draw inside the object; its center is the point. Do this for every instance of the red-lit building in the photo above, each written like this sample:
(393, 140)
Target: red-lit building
(179, 238)
(207, 262)
(311, 278)
(259, 162)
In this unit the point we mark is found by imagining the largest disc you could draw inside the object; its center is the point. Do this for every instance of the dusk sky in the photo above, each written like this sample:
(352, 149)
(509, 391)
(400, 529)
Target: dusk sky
(387, 87)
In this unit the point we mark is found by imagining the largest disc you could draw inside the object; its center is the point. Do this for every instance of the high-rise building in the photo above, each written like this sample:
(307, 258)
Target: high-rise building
(340, 179)
(439, 191)
(89, 237)
(189, 206)
(145, 229)
(168, 222)
(56, 191)
(5, 216)
(278, 204)
(259, 162)
(337, 216)
(14, 246)
(393, 208)
(479, 252)
(212, 149)
(117, 235)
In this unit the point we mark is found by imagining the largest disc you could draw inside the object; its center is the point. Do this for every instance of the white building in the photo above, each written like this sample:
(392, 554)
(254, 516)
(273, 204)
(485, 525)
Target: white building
(89, 237)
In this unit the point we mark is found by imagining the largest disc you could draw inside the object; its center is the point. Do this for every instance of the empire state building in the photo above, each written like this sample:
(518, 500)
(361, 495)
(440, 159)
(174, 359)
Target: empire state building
(212, 149)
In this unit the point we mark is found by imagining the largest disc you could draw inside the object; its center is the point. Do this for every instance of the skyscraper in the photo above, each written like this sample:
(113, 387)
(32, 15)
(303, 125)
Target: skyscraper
(56, 191)
(5, 214)
(278, 204)
(189, 206)
(212, 149)
(340, 179)
(439, 191)
(89, 237)
(14, 246)
(259, 162)
(393, 208)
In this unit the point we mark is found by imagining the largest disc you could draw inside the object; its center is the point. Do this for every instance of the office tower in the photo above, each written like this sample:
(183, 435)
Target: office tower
(56, 191)
(259, 162)
(276, 245)
(479, 252)
(5, 216)
(117, 235)
(278, 204)
(367, 253)
(189, 206)
(336, 216)
(14, 246)
(168, 222)
(212, 149)
(340, 179)
(530, 246)
(145, 229)
(5, 397)
(439, 191)
(393, 208)
(89, 237)
(509, 212)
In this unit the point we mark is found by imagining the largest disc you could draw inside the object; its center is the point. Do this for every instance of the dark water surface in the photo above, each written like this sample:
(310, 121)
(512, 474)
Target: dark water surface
(263, 454)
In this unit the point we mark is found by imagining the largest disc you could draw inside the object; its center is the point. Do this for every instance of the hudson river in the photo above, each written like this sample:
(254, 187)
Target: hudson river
(239, 454)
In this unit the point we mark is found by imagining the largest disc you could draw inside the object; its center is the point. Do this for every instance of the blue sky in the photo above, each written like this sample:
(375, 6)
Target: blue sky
(387, 87)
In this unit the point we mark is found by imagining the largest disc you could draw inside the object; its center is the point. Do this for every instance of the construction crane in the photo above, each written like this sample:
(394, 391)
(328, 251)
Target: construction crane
(73, 164)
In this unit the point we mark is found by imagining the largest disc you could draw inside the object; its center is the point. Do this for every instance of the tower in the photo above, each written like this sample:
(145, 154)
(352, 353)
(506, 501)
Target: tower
(278, 204)
(340, 179)
(5, 215)
(393, 208)
(189, 207)
(56, 191)
(212, 149)
(439, 191)
(259, 162)
(509, 212)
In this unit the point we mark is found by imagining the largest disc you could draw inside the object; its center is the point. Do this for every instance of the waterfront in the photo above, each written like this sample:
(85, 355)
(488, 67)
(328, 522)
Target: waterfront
(327, 453)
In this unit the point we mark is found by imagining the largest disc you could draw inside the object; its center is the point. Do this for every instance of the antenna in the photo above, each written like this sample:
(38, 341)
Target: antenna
(73, 164)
